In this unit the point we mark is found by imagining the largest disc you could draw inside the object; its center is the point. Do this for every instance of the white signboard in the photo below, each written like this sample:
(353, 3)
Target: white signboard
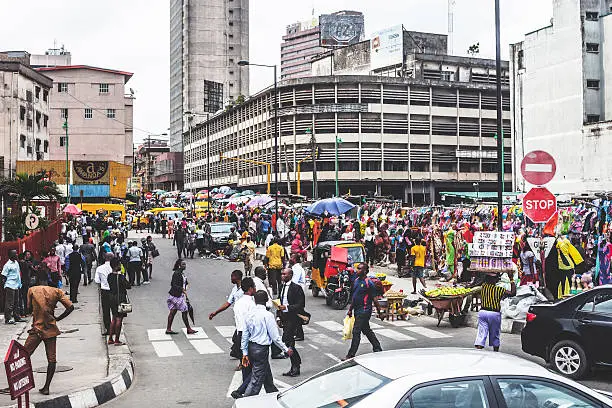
(534, 243)
(40, 209)
(387, 47)
(476, 154)
(492, 244)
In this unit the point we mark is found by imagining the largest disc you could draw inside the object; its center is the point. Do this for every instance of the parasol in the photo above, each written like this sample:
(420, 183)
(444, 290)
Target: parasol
(71, 209)
(259, 201)
(332, 206)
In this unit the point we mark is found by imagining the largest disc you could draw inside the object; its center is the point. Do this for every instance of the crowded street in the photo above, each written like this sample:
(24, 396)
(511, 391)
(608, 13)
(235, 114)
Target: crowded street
(190, 370)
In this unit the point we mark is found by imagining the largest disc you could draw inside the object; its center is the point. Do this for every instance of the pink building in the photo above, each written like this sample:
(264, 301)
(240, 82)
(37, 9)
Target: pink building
(99, 115)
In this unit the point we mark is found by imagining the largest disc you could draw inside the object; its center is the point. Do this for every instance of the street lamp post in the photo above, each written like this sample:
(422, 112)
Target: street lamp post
(500, 140)
(65, 126)
(191, 114)
(276, 100)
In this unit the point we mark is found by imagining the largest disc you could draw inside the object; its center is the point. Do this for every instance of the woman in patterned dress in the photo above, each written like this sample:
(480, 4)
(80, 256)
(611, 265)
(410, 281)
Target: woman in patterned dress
(177, 297)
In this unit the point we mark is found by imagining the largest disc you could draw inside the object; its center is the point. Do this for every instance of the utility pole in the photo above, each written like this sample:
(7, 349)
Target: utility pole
(500, 131)
(338, 141)
(65, 126)
(313, 147)
(287, 169)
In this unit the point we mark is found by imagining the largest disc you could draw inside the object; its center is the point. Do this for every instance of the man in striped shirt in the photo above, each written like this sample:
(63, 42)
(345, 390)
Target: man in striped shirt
(489, 316)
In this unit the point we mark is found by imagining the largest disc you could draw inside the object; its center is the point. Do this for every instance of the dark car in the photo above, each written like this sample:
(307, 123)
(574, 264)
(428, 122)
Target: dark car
(573, 334)
(220, 234)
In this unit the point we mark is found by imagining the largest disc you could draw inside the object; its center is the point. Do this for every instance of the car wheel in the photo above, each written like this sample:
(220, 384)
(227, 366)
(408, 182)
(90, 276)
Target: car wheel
(569, 359)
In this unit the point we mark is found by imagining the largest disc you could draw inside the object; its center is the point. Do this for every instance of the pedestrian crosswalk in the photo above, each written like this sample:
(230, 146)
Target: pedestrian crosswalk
(321, 335)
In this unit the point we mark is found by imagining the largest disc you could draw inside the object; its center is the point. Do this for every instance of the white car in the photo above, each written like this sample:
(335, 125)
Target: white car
(433, 378)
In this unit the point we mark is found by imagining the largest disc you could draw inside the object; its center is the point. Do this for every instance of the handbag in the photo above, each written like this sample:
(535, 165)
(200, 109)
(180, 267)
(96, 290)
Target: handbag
(304, 317)
(155, 253)
(123, 307)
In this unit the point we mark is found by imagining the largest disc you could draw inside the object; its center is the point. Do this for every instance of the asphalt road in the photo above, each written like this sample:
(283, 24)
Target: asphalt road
(180, 371)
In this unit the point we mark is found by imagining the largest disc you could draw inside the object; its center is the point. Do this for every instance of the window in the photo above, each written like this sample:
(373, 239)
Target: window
(534, 393)
(45, 95)
(88, 113)
(29, 96)
(110, 113)
(45, 120)
(22, 111)
(37, 92)
(103, 88)
(592, 15)
(62, 87)
(593, 83)
(46, 146)
(457, 394)
(592, 118)
(592, 47)
(64, 113)
(521, 59)
(22, 141)
(62, 141)
(348, 382)
(603, 303)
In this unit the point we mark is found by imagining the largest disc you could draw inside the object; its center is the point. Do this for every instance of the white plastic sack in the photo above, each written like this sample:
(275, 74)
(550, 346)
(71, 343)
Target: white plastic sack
(517, 307)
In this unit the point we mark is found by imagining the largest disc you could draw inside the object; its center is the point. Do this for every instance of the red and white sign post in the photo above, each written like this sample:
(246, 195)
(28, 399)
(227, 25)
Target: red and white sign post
(538, 168)
(149, 196)
(19, 374)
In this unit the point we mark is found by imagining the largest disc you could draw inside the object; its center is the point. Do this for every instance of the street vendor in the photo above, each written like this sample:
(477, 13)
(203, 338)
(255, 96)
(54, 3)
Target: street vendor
(489, 316)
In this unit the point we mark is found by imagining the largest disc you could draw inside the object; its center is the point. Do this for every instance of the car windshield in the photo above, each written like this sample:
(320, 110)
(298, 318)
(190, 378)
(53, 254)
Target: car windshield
(220, 228)
(356, 254)
(340, 386)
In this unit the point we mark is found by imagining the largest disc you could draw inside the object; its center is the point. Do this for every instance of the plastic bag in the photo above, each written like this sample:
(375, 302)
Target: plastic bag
(347, 330)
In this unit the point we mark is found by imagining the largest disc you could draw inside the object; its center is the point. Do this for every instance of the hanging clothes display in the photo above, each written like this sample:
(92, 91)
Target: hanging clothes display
(604, 254)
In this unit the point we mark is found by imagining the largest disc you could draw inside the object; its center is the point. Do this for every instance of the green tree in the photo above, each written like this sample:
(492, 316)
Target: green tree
(474, 49)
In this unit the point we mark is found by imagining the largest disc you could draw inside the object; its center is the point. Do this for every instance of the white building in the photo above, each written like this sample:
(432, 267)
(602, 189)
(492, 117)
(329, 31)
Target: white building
(561, 90)
(24, 113)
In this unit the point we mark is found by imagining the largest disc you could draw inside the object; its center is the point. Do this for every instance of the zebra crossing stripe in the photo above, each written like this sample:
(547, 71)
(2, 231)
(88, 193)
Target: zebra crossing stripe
(424, 331)
(392, 334)
(322, 339)
(201, 334)
(166, 349)
(330, 325)
(401, 323)
(375, 326)
(205, 346)
(226, 331)
(158, 335)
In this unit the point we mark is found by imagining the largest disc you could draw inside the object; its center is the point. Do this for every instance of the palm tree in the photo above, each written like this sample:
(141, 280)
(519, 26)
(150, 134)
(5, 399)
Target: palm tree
(26, 187)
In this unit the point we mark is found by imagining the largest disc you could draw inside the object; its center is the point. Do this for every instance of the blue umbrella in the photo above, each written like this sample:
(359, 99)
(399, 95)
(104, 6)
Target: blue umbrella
(333, 206)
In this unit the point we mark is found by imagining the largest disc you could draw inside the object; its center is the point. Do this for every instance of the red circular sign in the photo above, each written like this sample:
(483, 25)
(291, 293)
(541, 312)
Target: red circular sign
(148, 196)
(539, 204)
(538, 167)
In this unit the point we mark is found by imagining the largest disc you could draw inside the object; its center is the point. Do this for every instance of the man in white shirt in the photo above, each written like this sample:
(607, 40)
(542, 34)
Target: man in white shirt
(101, 278)
(260, 331)
(235, 294)
(299, 277)
(242, 309)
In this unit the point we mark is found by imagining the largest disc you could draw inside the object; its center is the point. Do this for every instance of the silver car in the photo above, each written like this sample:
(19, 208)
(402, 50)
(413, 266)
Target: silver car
(433, 378)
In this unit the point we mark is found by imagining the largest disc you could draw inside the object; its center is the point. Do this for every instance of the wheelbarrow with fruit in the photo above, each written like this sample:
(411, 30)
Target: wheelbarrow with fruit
(449, 299)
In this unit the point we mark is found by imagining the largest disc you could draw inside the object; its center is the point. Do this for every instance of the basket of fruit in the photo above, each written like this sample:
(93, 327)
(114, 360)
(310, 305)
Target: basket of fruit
(386, 285)
(448, 299)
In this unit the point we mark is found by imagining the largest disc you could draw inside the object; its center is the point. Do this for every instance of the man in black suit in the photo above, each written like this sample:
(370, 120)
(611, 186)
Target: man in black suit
(292, 301)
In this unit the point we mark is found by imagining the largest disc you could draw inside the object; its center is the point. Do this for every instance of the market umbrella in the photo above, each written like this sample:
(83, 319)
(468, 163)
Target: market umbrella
(71, 209)
(218, 196)
(333, 206)
(259, 201)
(248, 192)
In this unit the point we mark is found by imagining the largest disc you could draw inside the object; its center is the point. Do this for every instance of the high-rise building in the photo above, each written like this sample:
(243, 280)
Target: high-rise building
(300, 44)
(207, 39)
(561, 82)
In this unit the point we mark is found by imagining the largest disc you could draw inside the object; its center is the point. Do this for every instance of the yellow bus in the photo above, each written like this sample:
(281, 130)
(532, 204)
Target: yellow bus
(113, 210)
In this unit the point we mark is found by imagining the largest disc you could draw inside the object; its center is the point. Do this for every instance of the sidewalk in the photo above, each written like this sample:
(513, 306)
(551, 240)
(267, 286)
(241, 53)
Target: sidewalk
(405, 284)
(96, 374)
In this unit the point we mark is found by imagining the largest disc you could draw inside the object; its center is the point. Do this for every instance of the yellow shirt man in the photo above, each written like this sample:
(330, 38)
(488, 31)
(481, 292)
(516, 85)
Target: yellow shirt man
(419, 255)
(275, 254)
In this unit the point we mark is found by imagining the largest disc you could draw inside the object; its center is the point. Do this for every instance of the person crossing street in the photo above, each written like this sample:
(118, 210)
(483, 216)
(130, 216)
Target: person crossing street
(363, 295)
(292, 302)
(260, 331)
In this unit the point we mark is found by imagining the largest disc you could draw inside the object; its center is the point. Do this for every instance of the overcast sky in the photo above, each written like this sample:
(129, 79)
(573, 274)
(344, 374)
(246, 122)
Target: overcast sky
(133, 35)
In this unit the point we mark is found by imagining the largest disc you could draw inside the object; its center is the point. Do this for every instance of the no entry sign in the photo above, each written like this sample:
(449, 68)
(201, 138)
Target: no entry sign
(148, 196)
(538, 167)
(539, 204)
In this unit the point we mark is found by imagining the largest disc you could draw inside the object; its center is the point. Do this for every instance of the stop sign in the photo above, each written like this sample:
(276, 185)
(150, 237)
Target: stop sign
(538, 167)
(148, 196)
(539, 204)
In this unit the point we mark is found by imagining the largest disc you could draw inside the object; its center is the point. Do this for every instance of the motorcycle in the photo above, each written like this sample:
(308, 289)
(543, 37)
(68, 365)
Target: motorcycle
(338, 290)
